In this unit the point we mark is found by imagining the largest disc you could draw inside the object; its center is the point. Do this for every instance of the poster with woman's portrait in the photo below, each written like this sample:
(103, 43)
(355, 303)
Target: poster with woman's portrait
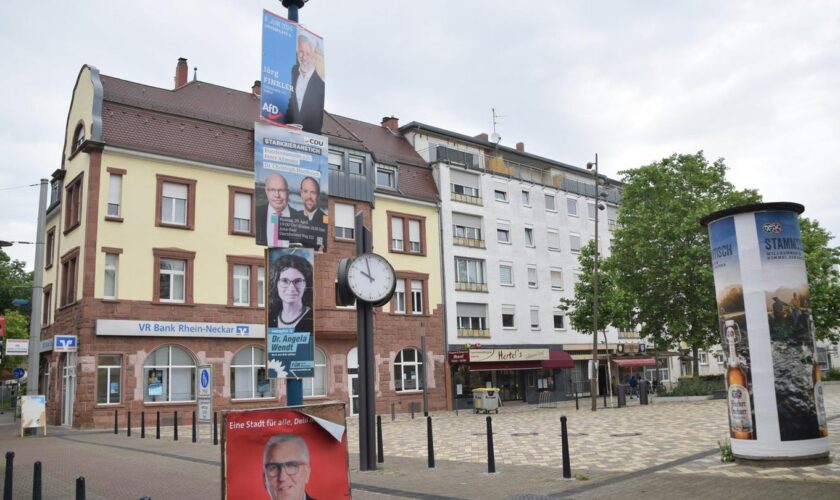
(155, 382)
(289, 316)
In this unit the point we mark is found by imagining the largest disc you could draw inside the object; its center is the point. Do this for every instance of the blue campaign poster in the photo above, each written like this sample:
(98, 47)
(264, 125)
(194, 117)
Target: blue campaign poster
(290, 337)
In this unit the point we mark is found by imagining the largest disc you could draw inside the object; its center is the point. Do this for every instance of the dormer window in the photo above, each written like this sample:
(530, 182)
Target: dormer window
(78, 136)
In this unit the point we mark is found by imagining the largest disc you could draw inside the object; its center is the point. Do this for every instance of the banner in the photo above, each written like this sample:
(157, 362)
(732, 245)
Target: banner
(291, 173)
(280, 453)
(33, 413)
(292, 88)
(290, 341)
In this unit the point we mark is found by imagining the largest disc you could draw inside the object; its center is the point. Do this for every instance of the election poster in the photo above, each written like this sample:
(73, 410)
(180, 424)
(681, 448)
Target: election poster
(283, 453)
(292, 88)
(290, 337)
(291, 173)
(33, 413)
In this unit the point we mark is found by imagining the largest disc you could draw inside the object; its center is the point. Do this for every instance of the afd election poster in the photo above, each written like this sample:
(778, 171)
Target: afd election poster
(291, 172)
(290, 337)
(292, 88)
(281, 453)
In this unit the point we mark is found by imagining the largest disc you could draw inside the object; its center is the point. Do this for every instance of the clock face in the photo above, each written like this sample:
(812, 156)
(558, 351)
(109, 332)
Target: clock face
(371, 278)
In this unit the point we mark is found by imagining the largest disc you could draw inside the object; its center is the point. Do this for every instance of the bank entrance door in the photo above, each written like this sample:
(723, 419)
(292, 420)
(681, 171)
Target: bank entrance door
(68, 388)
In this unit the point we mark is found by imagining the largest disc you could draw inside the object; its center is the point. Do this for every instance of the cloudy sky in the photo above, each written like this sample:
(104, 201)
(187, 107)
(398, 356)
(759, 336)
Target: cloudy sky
(757, 83)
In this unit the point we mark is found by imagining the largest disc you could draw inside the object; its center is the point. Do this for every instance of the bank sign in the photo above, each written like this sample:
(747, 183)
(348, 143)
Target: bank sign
(141, 328)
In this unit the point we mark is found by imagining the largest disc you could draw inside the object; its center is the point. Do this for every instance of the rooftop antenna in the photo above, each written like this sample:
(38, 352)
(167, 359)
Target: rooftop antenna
(495, 138)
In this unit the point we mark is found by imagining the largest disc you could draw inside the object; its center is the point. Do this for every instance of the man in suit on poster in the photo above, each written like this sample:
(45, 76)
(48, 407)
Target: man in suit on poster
(312, 214)
(268, 213)
(286, 467)
(306, 104)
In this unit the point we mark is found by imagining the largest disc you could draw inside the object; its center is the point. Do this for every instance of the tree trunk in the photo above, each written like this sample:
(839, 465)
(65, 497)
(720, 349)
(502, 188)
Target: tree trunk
(695, 355)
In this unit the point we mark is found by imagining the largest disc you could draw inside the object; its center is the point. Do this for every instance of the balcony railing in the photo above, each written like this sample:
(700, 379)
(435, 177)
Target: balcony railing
(472, 200)
(471, 287)
(467, 242)
(471, 334)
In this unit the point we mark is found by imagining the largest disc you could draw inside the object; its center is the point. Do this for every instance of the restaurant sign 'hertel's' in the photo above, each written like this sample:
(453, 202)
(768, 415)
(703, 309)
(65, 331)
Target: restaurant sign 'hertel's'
(144, 328)
(486, 355)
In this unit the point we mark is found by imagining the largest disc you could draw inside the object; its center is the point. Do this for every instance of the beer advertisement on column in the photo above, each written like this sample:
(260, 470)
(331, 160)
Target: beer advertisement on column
(729, 292)
(291, 173)
(290, 340)
(292, 89)
(795, 368)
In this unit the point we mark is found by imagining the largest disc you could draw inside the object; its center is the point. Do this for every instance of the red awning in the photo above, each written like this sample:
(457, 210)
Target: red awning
(558, 359)
(635, 362)
(504, 365)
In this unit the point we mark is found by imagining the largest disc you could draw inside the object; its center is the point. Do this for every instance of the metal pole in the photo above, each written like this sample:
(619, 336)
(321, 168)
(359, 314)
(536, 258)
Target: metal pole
(115, 422)
(175, 426)
(193, 428)
(380, 447)
(37, 296)
(142, 425)
(128, 425)
(157, 426)
(80, 488)
(36, 482)
(567, 466)
(364, 325)
(594, 379)
(425, 383)
(491, 455)
(10, 467)
(215, 429)
(293, 6)
(430, 442)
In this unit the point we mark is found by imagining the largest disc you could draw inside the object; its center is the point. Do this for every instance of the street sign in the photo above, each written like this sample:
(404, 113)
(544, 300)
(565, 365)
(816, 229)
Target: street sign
(205, 393)
(66, 343)
(17, 347)
(18, 373)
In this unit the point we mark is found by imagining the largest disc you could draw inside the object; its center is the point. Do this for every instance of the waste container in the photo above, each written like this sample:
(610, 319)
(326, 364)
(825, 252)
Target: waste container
(486, 399)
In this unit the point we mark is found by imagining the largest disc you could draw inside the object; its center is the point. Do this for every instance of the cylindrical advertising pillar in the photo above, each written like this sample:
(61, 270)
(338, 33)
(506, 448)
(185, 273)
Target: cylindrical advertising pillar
(775, 398)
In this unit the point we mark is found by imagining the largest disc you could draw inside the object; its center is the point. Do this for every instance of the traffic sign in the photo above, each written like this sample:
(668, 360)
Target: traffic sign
(18, 373)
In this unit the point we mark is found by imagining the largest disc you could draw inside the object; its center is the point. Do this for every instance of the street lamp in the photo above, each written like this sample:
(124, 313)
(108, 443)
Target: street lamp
(598, 207)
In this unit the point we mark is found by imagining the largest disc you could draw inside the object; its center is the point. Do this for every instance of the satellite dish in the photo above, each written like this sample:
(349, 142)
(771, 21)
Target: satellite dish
(495, 138)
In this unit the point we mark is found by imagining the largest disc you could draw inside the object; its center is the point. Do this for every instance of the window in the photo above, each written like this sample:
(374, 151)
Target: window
(115, 192)
(574, 242)
(111, 261)
(718, 357)
(78, 137)
(336, 160)
(169, 375)
(408, 370)
(466, 230)
(465, 190)
(508, 315)
(529, 237)
(244, 291)
(386, 177)
(317, 385)
(241, 208)
(69, 276)
(416, 297)
(553, 239)
(501, 196)
(108, 369)
(174, 275)
(248, 377)
(506, 274)
(241, 285)
(344, 221)
(590, 208)
(472, 320)
(50, 250)
(549, 202)
(503, 233)
(469, 274)
(526, 198)
(556, 279)
(558, 321)
(73, 209)
(176, 202)
(612, 217)
(406, 224)
(535, 318)
(356, 165)
(464, 187)
(703, 358)
(571, 206)
(398, 303)
(260, 286)
(45, 318)
(443, 153)
(532, 276)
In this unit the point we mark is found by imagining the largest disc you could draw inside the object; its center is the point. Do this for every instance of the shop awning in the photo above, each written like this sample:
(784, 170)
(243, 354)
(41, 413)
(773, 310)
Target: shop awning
(558, 359)
(627, 363)
(505, 365)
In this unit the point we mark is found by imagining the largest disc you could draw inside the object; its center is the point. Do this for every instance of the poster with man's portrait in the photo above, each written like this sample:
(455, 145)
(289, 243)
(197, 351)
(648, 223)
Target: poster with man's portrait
(289, 316)
(279, 453)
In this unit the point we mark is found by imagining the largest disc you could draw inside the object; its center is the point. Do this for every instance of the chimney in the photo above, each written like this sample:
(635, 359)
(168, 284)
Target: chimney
(256, 88)
(520, 146)
(482, 137)
(392, 123)
(181, 72)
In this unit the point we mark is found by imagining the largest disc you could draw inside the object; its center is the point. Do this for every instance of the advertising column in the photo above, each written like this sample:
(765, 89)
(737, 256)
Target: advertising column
(775, 399)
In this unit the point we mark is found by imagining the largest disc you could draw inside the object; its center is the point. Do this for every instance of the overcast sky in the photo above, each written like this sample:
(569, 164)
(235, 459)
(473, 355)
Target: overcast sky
(757, 83)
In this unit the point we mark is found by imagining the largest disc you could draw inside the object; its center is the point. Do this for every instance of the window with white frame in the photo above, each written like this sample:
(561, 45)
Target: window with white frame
(556, 279)
(590, 208)
(108, 383)
(466, 226)
(503, 232)
(553, 236)
(471, 316)
(704, 360)
(344, 221)
(501, 195)
(532, 276)
(111, 264)
(526, 198)
(469, 270)
(571, 206)
(242, 212)
(114, 194)
(506, 274)
(260, 286)
(529, 237)
(336, 160)
(416, 297)
(574, 243)
(169, 375)
(248, 375)
(718, 357)
(509, 316)
(559, 322)
(386, 177)
(398, 302)
(415, 244)
(317, 385)
(356, 165)
(174, 204)
(550, 202)
(464, 184)
(397, 238)
(408, 370)
(172, 280)
(241, 285)
(535, 318)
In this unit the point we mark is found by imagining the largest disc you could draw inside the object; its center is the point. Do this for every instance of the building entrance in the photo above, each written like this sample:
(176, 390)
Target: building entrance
(511, 386)
(68, 388)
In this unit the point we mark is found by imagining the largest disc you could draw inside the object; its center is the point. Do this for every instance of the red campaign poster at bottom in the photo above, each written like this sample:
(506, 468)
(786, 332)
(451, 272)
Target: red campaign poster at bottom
(284, 454)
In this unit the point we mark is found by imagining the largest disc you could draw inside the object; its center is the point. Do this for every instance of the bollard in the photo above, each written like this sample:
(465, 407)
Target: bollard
(215, 429)
(393, 414)
(80, 488)
(577, 405)
(643, 396)
(157, 426)
(7, 484)
(142, 425)
(622, 396)
(605, 399)
(193, 429)
(380, 449)
(115, 422)
(36, 482)
(128, 427)
(491, 456)
(175, 426)
(567, 466)
(430, 442)
(411, 408)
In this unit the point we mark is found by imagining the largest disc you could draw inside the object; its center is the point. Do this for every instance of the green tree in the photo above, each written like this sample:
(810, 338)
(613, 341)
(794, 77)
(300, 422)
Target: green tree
(822, 263)
(15, 283)
(17, 327)
(660, 252)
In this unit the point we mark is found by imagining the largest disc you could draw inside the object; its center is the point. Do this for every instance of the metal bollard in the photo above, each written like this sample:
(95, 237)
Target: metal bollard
(157, 426)
(577, 405)
(142, 425)
(193, 429)
(380, 449)
(36, 482)
(175, 426)
(393, 414)
(80, 488)
(411, 408)
(430, 442)
(115, 422)
(491, 455)
(605, 399)
(128, 427)
(215, 429)
(7, 484)
(567, 466)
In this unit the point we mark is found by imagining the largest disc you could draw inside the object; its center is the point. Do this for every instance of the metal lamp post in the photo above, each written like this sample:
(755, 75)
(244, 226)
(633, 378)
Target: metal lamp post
(595, 282)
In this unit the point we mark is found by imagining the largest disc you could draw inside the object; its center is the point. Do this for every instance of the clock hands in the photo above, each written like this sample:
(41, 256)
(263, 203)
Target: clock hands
(367, 274)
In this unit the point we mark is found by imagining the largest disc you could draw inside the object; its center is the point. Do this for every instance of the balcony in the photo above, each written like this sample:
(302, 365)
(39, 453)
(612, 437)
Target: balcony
(463, 198)
(467, 242)
(472, 334)
(471, 287)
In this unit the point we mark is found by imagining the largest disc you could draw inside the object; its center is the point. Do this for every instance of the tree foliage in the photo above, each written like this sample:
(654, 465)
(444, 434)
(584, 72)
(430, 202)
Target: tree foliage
(17, 327)
(822, 263)
(15, 283)
(660, 253)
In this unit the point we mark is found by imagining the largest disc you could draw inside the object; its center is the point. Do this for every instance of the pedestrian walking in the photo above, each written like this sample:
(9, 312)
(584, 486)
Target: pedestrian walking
(634, 385)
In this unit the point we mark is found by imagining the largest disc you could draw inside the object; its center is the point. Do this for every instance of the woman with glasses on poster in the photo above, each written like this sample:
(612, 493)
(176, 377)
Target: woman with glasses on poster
(290, 294)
